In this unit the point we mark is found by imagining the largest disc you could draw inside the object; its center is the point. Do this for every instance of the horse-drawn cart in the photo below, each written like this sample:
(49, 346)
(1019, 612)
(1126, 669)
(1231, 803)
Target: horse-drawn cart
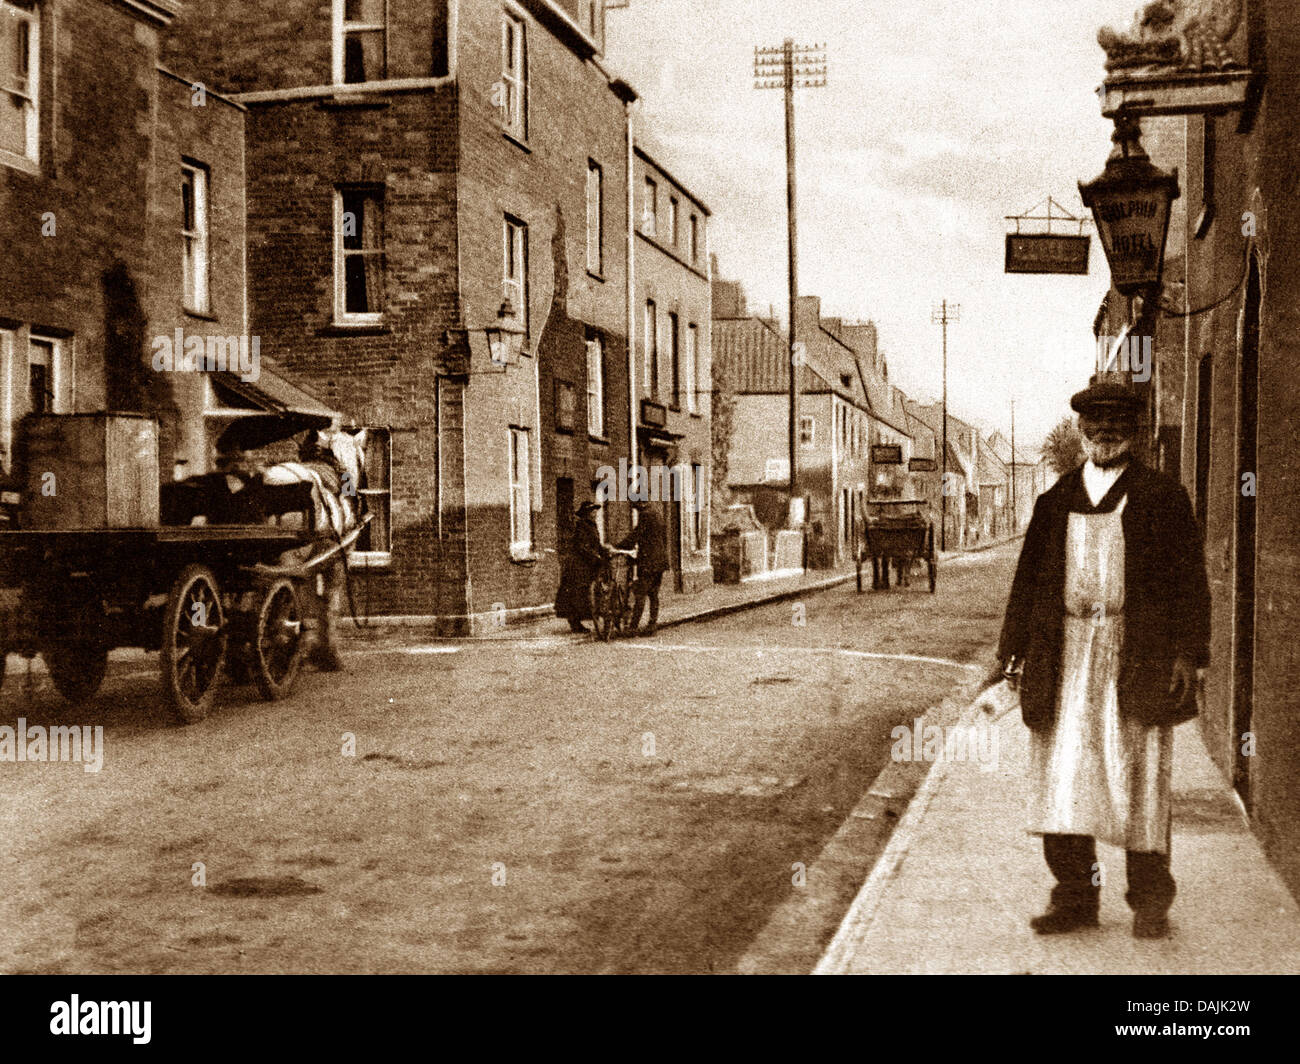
(895, 533)
(208, 596)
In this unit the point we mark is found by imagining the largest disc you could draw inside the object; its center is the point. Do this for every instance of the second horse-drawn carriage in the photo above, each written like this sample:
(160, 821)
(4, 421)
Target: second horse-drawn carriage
(895, 534)
(225, 573)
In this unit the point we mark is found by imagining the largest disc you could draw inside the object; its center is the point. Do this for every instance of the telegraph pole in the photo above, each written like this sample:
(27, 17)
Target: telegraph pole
(1015, 515)
(788, 67)
(944, 313)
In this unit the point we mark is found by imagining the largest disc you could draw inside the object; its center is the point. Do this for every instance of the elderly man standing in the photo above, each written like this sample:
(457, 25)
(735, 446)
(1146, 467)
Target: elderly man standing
(1109, 616)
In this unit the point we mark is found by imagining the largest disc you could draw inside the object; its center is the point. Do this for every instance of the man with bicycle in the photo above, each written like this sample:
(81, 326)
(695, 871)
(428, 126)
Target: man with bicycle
(651, 543)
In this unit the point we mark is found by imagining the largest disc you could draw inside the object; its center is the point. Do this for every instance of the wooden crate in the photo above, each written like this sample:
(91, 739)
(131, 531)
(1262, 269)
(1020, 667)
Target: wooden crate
(90, 471)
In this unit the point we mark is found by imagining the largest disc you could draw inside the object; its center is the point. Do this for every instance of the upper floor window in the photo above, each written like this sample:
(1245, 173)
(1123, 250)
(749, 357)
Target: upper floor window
(514, 76)
(514, 278)
(672, 220)
(695, 240)
(650, 349)
(650, 208)
(358, 254)
(20, 31)
(194, 236)
(675, 359)
(692, 367)
(595, 217)
(360, 40)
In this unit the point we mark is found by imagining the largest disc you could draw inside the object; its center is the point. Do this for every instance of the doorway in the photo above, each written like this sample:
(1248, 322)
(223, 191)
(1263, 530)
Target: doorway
(1243, 642)
(673, 525)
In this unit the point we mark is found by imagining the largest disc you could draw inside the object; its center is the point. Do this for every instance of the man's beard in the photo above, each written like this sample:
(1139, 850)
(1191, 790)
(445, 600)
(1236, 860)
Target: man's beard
(1103, 454)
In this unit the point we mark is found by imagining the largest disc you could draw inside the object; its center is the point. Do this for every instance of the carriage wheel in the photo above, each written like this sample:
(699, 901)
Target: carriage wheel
(602, 607)
(277, 646)
(934, 561)
(75, 654)
(193, 643)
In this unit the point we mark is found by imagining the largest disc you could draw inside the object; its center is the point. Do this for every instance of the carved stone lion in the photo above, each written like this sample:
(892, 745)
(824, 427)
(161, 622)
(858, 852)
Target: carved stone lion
(1186, 34)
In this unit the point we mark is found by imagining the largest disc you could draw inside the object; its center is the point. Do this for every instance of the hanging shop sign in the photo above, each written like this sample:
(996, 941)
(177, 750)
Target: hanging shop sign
(1047, 253)
(1037, 248)
(886, 454)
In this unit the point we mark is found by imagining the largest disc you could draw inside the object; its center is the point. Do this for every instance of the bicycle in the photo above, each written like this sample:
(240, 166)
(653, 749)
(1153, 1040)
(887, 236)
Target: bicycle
(611, 596)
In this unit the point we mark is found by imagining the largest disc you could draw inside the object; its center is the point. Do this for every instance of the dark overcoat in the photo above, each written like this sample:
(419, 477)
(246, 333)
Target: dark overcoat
(579, 567)
(651, 542)
(1166, 596)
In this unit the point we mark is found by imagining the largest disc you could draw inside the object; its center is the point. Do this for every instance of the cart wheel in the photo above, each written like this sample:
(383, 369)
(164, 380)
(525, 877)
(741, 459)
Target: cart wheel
(76, 668)
(934, 561)
(193, 643)
(277, 648)
(602, 595)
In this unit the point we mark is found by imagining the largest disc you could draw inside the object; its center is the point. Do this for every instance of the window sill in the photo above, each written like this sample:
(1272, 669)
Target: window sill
(19, 162)
(524, 555)
(603, 441)
(697, 415)
(517, 141)
(596, 275)
(359, 328)
(371, 559)
(200, 315)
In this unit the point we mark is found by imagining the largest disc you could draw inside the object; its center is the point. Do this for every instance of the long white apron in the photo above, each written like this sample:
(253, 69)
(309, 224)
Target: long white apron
(1093, 773)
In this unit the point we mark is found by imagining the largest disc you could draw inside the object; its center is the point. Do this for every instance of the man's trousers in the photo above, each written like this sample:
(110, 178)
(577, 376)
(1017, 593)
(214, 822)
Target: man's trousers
(646, 585)
(1072, 859)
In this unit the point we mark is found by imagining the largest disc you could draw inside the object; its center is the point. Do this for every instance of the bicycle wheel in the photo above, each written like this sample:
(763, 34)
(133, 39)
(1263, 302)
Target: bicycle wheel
(621, 601)
(602, 613)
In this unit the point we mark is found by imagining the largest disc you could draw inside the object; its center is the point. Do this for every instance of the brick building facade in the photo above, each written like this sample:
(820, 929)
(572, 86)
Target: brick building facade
(411, 168)
(674, 379)
(122, 220)
(1226, 367)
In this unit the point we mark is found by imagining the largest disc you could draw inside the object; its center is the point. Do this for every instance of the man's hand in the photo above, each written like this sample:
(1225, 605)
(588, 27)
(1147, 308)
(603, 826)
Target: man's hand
(1183, 681)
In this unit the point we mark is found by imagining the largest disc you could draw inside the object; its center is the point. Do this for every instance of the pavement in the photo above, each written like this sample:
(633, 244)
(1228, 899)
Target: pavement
(955, 887)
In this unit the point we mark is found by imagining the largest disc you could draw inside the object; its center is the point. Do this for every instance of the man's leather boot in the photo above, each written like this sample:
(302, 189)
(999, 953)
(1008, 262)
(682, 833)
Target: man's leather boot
(1059, 920)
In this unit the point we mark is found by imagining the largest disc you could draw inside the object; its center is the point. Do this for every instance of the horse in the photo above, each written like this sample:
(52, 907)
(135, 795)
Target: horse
(332, 465)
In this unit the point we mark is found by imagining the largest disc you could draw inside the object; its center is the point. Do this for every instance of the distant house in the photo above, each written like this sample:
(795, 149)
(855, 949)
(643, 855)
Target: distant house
(838, 426)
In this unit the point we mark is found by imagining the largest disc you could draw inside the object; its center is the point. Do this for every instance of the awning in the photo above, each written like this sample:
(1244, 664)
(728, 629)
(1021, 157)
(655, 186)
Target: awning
(656, 437)
(270, 393)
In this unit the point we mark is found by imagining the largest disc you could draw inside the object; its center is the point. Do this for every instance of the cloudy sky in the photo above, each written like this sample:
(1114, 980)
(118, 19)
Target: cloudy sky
(939, 118)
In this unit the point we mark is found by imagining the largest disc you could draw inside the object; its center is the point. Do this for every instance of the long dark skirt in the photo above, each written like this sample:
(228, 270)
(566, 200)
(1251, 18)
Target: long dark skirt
(572, 601)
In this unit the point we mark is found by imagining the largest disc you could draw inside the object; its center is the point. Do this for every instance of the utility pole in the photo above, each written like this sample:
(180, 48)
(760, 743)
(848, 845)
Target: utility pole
(944, 313)
(788, 67)
(1015, 514)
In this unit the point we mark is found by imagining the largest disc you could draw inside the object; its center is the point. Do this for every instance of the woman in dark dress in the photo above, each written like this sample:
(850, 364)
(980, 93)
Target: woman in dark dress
(579, 567)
